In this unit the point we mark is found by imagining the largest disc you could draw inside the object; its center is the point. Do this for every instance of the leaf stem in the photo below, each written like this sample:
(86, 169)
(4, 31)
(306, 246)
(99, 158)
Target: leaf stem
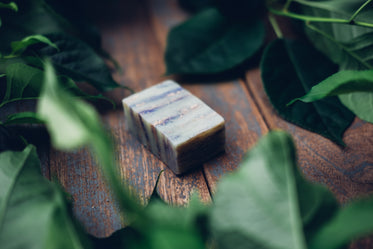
(287, 5)
(352, 54)
(357, 12)
(275, 26)
(16, 99)
(318, 19)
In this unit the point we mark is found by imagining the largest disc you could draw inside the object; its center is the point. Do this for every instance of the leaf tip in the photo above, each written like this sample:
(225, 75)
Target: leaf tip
(292, 102)
(13, 6)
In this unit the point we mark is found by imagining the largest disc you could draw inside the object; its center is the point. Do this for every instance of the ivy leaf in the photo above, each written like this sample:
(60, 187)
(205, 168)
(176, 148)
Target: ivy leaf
(360, 103)
(19, 46)
(273, 205)
(290, 69)
(342, 8)
(209, 43)
(23, 118)
(351, 222)
(25, 82)
(29, 201)
(351, 47)
(359, 83)
(78, 61)
(33, 17)
(340, 83)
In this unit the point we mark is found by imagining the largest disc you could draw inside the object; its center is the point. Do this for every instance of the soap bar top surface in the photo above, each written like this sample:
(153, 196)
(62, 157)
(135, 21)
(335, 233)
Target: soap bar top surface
(174, 111)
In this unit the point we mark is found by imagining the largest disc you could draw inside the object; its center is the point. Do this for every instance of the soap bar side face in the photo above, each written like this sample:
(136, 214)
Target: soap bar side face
(175, 125)
(201, 148)
(149, 136)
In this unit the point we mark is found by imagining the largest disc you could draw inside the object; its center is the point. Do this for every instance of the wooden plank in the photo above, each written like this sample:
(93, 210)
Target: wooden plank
(129, 38)
(244, 125)
(230, 99)
(134, 45)
(348, 172)
(80, 176)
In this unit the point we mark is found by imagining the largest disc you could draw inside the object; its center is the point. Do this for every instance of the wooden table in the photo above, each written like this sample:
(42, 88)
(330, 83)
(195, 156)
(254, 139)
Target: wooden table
(134, 33)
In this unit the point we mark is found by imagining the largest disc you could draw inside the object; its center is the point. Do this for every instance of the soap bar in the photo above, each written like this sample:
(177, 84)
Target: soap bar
(175, 125)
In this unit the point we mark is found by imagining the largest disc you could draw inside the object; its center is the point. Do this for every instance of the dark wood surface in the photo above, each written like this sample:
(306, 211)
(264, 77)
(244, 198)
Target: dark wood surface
(134, 33)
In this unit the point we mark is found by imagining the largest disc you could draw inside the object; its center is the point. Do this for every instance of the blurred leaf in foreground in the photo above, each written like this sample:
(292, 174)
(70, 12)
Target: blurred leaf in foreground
(33, 207)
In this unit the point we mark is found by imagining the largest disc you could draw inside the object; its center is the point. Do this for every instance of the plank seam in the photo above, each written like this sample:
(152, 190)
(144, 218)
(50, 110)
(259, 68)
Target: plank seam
(207, 184)
(255, 101)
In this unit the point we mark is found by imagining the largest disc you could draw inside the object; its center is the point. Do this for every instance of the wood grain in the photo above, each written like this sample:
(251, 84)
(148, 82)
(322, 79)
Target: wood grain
(93, 204)
(131, 40)
(244, 124)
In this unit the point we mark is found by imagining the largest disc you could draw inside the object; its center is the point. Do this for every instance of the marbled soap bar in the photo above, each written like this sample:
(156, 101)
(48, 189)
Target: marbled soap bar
(175, 125)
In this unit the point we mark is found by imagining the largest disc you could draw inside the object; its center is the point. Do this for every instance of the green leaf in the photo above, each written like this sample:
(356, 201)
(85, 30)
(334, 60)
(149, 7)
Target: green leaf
(32, 206)
(12, 5)
(349, 46)
(62, 112)
(25, 82)
(340, 83)
(33, 17)
(344, 8)
(290, 69)
(209, 43)
(175, 227)
(351, 222)
(78, 61)
(19, 46)
(23, 118)
(38, 17)
(267, 203)
(354, 89)
(360, 103)
(258, 205)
